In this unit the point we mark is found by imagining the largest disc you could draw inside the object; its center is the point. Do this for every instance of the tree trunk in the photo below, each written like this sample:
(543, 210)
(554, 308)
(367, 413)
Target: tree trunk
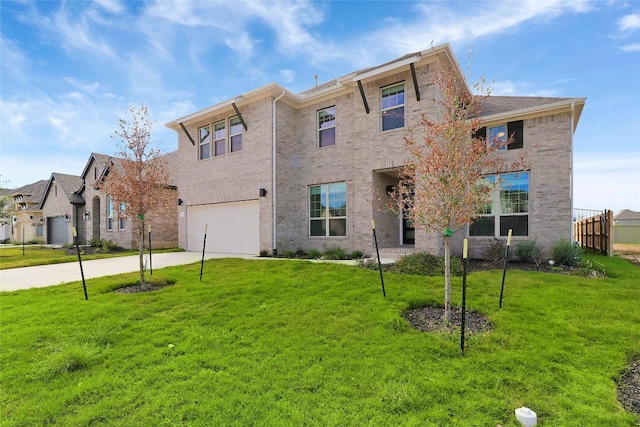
(447, 279)
(141, 253)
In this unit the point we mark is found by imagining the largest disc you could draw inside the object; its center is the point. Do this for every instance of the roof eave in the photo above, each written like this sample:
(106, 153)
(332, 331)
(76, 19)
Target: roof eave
(576, 103)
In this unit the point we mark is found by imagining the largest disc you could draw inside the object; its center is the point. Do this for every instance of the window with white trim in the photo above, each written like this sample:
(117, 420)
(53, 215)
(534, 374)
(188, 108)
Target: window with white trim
(392, 106)
(219, 138)
(509, 207)
(122, 221)
(205, 142)
(235, 134)
(328, 209)
(327, 127)
(109, 212)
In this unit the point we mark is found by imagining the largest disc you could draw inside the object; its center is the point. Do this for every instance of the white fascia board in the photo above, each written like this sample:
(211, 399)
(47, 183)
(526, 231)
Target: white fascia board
(263, 90)
(386, 68)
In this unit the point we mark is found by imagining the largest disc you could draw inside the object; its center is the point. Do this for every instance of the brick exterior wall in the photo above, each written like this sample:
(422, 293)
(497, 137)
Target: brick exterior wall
(57, 204)
(367, 159)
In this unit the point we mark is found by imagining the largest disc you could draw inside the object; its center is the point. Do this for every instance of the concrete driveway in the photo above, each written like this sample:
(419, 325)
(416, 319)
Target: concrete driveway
(54, 274)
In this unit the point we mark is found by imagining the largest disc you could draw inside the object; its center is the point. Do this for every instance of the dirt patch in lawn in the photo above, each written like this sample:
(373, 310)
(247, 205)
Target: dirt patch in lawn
(629, 388)
(431, 319)
(138, 288)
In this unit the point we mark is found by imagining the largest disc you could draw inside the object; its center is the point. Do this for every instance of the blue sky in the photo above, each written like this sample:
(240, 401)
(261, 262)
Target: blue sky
(71, 69)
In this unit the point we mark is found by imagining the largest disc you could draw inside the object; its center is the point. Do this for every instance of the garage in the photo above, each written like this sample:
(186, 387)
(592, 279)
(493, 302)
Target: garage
(57, 231)
(232, 228)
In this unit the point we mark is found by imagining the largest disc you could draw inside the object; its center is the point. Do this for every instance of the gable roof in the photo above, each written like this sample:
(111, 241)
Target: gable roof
(627, 214)
(505, 107)
(171, 162)
(71, 186)
(31, 194)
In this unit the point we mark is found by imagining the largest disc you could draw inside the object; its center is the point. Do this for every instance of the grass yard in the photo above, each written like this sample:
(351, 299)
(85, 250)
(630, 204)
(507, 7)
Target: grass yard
(13, 257)
(273, 343)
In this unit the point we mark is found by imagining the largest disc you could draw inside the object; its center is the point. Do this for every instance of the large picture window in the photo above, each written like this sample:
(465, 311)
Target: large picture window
(392, 107)
(205, 142)
(328, 209)
(327, 127)
(220, 138)
(509, 208)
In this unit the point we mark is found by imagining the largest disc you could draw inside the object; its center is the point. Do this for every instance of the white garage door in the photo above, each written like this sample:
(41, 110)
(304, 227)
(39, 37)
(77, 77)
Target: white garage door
(233, 228)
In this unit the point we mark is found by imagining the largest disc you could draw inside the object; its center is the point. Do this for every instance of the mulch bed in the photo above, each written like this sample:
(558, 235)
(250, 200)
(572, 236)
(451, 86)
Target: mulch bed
(431, 319)
(148, 287)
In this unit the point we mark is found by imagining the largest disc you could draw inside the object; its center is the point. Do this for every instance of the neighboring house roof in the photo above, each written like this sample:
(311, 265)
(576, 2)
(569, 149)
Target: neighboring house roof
(171, 160)
(31, 194)
(70, 185)
(627, 214)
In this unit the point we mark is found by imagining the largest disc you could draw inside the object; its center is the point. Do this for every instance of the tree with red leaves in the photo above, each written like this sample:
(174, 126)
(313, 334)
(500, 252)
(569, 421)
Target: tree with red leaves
(441, 184)
(139, 178)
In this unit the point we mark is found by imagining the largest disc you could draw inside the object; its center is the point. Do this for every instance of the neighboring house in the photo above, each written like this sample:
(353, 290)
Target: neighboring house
(6, 214)
(62, 207)
(626, 226)
(106, 220)
(27, 222)
(274, 170)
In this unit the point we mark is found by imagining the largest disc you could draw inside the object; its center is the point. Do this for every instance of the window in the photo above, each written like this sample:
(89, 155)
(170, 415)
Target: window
(392, 107)
(205, 142)
(109, 213)
(122, 221)
(219, 138)
(509, 208)
(328, 209)
(327, 127)
(235, 134)
(513, 130)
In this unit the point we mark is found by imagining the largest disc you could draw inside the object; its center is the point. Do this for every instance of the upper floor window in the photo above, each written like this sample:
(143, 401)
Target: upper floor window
(219, 138)
(205, 142)
(392, 106)
(509, 207)
(502, 133)
(235, 134)
(328, 209)
(327, 127)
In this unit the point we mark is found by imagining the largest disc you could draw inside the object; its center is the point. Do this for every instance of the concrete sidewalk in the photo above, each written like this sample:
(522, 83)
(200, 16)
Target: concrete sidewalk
(54, 274)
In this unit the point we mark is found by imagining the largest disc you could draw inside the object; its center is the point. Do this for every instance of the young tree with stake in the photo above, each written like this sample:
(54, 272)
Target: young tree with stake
(441, 184)
(140, 178)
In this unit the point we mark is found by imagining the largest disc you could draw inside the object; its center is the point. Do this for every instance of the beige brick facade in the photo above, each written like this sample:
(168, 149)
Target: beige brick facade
(364, 157)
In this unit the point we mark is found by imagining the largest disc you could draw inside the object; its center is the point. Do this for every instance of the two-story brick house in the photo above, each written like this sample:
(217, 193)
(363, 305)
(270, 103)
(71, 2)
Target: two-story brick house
(271, 169)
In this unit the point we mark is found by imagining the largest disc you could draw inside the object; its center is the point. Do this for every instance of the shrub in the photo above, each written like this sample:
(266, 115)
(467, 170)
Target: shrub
(369, 263)
(357, 254)
(425, 264)
(335, 253)
(288, 254)
(495, 251)
(300, 253)
(264, 253)
(529, 251)
(566, 253)
(314, 253)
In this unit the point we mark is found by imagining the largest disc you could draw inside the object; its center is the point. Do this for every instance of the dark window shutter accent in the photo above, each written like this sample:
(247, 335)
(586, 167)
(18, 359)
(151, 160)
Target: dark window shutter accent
(515, 130)
(480, 133)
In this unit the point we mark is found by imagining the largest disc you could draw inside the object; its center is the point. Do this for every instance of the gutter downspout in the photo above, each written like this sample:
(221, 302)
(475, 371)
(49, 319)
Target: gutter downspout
(273, 174)
(572, 171)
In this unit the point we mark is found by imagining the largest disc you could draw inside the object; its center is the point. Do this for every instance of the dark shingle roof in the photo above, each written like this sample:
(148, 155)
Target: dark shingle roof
(31, 192)
(70, 186)
(505, 104)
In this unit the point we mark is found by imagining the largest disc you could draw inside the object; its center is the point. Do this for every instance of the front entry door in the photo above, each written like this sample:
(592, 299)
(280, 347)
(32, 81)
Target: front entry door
(408, 231)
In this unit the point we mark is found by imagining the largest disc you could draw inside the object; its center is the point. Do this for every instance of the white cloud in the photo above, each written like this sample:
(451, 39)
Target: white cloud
(111, 6)
(635, 47)
(629, 23)
(76, 32)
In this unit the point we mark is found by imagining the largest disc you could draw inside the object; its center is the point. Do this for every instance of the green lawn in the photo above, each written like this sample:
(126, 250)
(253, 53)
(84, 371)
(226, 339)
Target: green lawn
(294, 343)
(13, 257)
